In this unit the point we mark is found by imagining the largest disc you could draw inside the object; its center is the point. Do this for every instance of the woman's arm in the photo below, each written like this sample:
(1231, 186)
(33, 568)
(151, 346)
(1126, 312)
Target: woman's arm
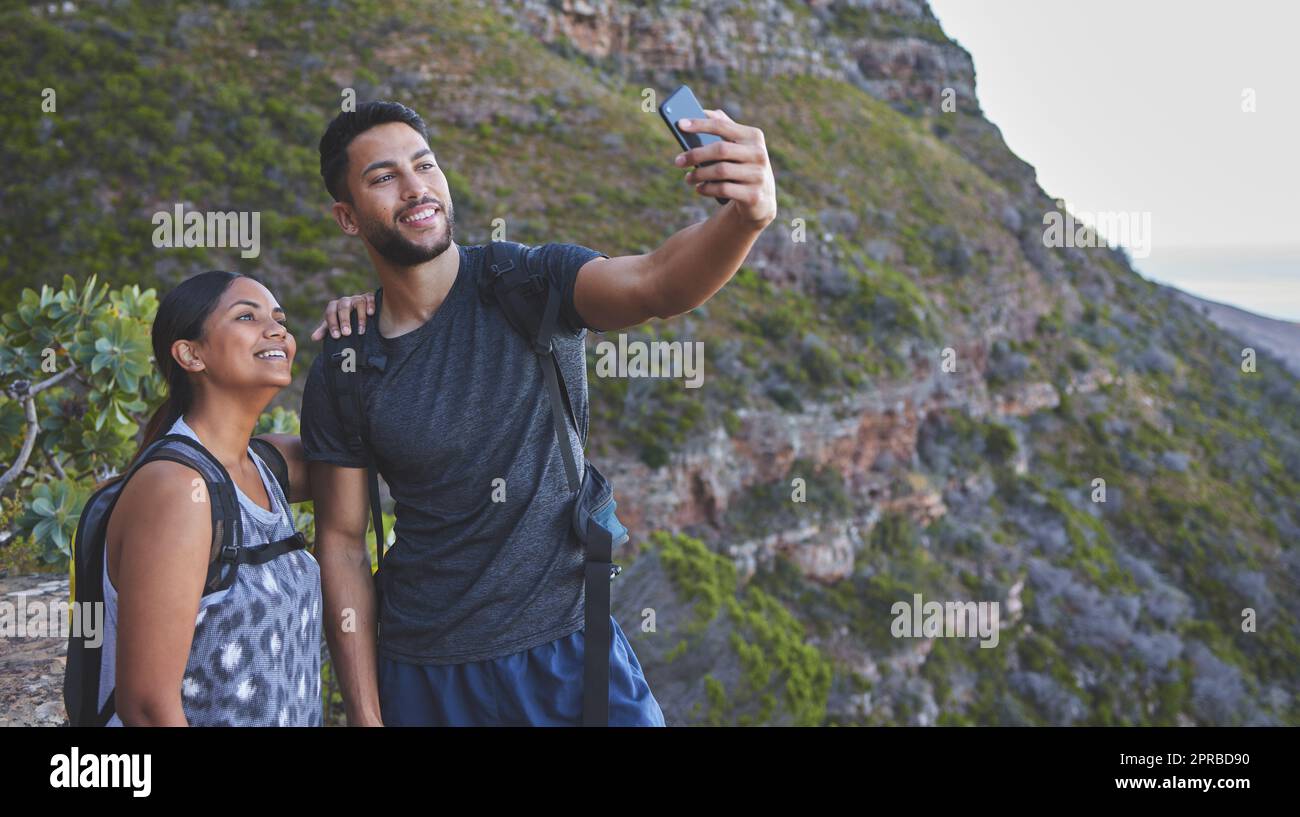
(290, 447)
(166, 536)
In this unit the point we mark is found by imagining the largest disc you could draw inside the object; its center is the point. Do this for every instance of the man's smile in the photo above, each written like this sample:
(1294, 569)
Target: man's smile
(421, 215)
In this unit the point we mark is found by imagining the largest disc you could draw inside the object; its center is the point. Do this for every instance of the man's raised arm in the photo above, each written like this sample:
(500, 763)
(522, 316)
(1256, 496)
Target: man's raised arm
(694, 263)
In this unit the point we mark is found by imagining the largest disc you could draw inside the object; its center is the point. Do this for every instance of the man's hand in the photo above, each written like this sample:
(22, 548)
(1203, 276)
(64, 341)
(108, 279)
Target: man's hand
(338, 315)
(742, 173)
(695, 262)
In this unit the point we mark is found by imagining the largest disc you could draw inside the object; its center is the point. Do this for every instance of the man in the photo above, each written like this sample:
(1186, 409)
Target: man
(482, 590)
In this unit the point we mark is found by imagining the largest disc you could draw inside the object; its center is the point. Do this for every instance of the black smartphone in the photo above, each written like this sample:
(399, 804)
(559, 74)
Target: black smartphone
(682, 104)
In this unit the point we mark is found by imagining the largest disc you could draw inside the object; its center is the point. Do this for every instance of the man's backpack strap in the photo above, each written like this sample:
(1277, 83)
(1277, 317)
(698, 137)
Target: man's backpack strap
(597, 636)
(531, 305)
(550, 371)
(345, 357)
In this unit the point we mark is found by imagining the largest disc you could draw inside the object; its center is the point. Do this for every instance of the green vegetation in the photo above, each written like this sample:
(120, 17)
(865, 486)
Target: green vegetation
(762, 509)
(784, 679)
(892, 243)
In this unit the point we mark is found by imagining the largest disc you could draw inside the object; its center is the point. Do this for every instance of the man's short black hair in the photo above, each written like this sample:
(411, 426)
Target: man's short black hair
(348, 126)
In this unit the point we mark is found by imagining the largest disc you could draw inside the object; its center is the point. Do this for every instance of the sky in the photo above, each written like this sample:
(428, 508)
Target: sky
(1136, 106)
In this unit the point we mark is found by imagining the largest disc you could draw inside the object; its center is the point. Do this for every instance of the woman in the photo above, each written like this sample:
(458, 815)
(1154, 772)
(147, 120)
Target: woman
(249, 654)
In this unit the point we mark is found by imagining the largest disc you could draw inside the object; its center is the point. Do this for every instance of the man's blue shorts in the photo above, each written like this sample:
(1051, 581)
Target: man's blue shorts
(537, 687)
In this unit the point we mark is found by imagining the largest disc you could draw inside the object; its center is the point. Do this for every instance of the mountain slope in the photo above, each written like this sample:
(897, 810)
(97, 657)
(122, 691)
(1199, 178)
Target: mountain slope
(1281, 339)
(908, 236)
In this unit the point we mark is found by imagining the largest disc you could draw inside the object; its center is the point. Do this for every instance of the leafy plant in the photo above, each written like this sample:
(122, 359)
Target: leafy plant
(79, 384)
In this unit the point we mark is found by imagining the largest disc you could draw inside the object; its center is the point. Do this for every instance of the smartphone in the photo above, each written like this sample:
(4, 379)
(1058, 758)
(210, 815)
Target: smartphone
(682, 104)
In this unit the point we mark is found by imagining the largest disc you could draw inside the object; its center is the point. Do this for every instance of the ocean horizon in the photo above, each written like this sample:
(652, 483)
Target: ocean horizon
(1262, 280)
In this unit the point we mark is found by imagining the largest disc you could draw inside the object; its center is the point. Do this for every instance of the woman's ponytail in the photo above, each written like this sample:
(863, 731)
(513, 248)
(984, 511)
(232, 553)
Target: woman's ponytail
(163, 418)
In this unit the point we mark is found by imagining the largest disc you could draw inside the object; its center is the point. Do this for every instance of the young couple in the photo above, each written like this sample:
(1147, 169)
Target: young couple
(482, 599)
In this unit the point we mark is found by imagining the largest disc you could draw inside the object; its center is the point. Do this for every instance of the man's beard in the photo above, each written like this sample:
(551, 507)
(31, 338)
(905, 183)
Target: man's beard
(399, 250)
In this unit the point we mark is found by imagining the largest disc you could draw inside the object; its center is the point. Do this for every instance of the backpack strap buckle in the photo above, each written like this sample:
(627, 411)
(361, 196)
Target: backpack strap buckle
(535, 284)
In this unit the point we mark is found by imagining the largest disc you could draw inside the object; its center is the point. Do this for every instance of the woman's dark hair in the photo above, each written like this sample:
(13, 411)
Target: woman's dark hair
(348, 126)
(181, 316)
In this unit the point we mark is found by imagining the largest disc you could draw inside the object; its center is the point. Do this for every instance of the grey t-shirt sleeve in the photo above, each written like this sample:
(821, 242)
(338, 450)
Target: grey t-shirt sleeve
(320, 429)
(561, 263)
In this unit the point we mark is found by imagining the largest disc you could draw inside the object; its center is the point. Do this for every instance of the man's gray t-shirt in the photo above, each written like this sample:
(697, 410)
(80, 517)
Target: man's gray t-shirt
(462, 403)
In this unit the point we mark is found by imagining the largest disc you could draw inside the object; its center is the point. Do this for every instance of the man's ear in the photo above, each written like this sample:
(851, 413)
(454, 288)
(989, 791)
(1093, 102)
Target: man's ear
(184, 353)
(344, 217)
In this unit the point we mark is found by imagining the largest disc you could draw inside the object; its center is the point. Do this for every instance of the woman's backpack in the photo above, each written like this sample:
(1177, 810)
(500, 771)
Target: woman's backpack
(81, 680)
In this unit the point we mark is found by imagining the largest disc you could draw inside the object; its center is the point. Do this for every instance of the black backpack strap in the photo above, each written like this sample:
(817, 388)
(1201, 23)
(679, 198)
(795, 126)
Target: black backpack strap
(531, 305)
(345, 386)
(235, 556)
(345, 390)
(551, 371)
(274, 460)
(597, 635)
(226, 530)
(228, 548)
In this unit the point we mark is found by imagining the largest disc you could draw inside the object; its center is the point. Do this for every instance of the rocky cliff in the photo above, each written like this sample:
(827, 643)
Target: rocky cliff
(905, 391)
